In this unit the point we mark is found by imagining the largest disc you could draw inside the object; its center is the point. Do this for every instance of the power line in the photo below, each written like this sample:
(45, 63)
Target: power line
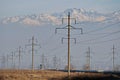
(104, 41)
(108, 26)
(48, 39)
(100, 37)
(99, 29)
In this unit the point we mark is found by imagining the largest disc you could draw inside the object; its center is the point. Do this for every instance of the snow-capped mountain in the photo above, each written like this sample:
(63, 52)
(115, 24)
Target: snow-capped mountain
(81, 15)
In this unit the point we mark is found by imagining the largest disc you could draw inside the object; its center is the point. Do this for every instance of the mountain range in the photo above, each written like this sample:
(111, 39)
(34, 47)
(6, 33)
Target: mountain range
(81, 15)
(100, 32)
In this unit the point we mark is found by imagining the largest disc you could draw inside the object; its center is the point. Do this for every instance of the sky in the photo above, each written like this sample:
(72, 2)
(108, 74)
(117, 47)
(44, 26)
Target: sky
(13, 35)
(24, 7)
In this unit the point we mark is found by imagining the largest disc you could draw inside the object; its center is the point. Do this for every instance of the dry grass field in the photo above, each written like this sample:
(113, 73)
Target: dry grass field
(52, 75)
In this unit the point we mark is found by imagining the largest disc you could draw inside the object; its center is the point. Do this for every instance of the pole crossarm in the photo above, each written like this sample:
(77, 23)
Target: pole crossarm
(62, 40)
(12, 55)
(35, 44)
(19, 51)
(71, 27)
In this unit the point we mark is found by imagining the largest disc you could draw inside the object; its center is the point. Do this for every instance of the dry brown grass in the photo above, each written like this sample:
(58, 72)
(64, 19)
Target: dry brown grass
(30, 75)
(48, 75)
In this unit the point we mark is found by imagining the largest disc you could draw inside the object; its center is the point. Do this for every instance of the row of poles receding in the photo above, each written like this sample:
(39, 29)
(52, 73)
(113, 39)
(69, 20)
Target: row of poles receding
(68, 27)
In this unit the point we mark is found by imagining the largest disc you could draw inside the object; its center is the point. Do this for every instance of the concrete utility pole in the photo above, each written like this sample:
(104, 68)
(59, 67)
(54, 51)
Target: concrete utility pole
(7, 60)
(11, 57)
(68, 27)
(33, 44)
(3, 62)
(43, 61)
(88, 59)
(32, 53)
(13, 61)
(19, 51)
(47, 64)
(69, 44)
(0, 61)
(113, 57)
(55, 62)
(19, 56)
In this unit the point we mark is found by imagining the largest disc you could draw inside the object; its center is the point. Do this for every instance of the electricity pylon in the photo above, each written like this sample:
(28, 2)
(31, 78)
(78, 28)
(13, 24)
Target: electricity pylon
(3, 61)
(43, 61)
(9, 57)
(13, 59)
(68, 27)
(32, 45)
(88, 59)
(7, 60)
(113, 57)
(55, 65)
(19, 51)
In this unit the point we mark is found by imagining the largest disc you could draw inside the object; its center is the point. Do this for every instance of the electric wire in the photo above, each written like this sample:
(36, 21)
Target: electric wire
(100, 37)
(95, 30)
(102, 28)
(99, 42)
(48, 39)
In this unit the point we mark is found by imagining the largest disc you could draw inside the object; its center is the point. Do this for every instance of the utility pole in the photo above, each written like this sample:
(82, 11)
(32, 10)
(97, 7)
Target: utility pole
(32, 53)
(33, 45)
(43, 61)
(12, 57)
(88, 59)
(3, 62)
(69, 44)
(47, 64)
(68, 27)
(55, 62)
(0, 61)
(19, 55)
(7, 60)
(113, 57)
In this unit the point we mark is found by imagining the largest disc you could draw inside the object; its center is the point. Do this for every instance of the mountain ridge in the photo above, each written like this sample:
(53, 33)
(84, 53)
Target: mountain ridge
(81, 15)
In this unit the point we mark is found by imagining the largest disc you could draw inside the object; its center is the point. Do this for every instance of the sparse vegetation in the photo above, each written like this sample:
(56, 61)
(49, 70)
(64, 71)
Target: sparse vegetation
(52, 75)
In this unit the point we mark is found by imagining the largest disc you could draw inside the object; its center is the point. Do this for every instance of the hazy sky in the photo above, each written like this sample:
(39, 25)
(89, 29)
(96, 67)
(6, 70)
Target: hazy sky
(24, 7)
(14, 35)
